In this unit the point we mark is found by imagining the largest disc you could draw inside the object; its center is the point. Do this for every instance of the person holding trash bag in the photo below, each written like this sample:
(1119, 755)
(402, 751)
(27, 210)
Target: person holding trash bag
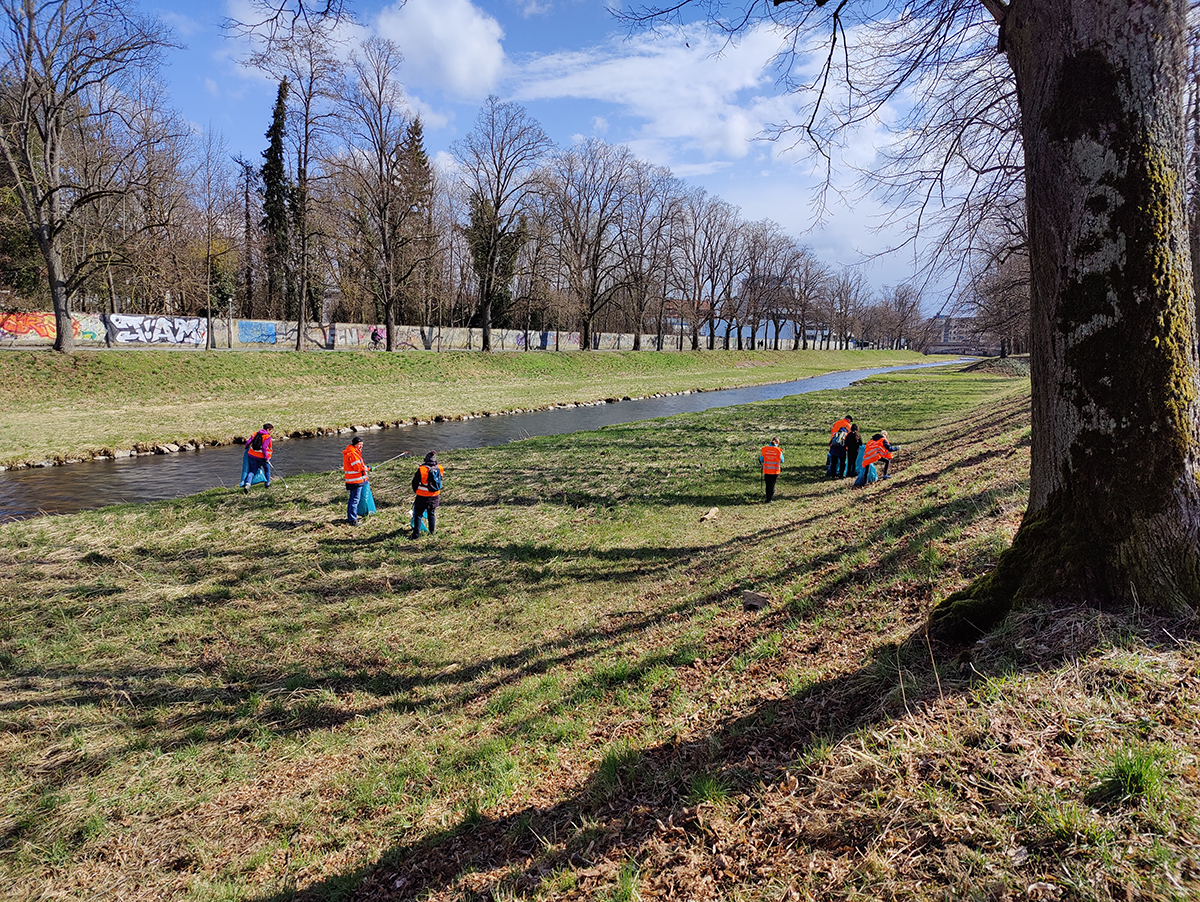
(878, 448)
(771, 458)
(355, 472)
(256, 463)
(427, 484)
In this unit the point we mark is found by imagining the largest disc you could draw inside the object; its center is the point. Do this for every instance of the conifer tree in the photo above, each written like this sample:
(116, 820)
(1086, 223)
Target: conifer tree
(276, 223)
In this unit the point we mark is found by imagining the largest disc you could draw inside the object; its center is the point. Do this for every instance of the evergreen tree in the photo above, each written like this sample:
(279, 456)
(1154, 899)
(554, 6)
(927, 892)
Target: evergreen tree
(276, 222)
(494, 253)
(416, 181)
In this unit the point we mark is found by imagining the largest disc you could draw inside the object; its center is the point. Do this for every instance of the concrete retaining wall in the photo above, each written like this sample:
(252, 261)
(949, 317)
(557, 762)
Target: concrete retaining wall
(106, 330)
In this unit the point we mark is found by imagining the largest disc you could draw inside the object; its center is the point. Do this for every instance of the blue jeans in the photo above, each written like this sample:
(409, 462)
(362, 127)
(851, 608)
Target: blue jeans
(352, 506)
(256, 464)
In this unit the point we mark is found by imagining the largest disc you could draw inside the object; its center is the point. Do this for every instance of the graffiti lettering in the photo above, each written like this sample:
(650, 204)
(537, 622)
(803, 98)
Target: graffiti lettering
(156, 330)
(40, 324)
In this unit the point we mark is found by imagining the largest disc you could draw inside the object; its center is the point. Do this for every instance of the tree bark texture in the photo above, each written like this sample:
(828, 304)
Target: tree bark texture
(1114, 512)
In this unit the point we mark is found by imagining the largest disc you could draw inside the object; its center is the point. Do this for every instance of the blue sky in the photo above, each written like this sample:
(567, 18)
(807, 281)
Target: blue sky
(681, 98)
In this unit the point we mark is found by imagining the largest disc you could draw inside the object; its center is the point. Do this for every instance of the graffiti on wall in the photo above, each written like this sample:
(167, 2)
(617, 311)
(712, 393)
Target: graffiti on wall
(171, 330)
(22, 325)
(252, 332)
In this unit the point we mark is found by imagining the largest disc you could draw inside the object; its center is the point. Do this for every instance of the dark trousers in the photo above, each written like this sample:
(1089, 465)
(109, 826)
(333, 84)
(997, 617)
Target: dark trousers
(837, 465)
(423, 506)
(769, 479)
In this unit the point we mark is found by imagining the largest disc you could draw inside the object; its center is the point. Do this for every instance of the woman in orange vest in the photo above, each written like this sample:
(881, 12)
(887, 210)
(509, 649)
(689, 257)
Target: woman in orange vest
(258, 457)
(355, 470)
(427, 483)
(771, 458)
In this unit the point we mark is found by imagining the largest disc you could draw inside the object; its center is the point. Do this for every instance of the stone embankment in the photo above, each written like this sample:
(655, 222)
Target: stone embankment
(175, 447)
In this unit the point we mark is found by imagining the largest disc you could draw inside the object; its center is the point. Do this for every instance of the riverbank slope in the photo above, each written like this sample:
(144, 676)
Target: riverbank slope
(563, 696)
(61, 408)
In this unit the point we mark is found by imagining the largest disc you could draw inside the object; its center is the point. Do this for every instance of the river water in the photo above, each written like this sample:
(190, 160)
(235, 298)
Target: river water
(152, 477)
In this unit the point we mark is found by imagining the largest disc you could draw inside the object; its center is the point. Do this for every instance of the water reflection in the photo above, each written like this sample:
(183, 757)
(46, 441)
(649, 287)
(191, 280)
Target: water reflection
(86, 486)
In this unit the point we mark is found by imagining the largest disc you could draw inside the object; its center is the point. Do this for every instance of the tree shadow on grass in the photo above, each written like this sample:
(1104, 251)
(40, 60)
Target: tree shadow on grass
(621, 807)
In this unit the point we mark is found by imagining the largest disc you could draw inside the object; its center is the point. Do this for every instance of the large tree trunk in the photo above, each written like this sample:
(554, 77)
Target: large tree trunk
(64, 334)
(1114, 511)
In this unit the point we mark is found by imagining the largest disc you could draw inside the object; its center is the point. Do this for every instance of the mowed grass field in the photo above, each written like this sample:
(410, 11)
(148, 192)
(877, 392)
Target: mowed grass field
(92, 403)
(560, 695)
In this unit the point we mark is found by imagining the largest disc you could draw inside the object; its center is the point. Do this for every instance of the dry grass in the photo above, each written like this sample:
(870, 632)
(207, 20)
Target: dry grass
(560, 696)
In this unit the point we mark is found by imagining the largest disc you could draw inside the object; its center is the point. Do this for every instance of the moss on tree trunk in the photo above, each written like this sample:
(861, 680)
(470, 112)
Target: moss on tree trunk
(1114, 512)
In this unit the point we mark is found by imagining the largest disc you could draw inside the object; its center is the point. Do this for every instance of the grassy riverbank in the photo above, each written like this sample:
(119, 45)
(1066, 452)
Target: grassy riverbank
(560, 695)
(62, 408)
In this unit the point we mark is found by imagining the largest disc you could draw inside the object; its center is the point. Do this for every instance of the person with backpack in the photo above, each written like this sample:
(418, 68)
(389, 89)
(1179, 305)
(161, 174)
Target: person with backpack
(427, 484)
(257, 464)
(854, 446)
(843, 426)
(837, 454)
(771, 458)
(355, 471)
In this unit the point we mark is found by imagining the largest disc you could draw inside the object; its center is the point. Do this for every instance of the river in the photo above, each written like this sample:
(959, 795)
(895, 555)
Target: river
(153, 477)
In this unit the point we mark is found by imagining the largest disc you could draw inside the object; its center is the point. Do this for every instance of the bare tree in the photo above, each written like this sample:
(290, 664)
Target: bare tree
(1100, 88)
(589, 185)
(653, 201)
(69, 67)
(498, 160)
(389, 202)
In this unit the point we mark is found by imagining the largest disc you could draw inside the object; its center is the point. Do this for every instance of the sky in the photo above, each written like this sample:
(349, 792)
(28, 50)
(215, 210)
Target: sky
(681, 98)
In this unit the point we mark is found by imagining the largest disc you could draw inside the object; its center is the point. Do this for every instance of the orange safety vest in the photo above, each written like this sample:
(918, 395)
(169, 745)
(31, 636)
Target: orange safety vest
(265, 453)
(423, 489)
(843, 423)
(354, 466)
(772, 458)
(874, 450)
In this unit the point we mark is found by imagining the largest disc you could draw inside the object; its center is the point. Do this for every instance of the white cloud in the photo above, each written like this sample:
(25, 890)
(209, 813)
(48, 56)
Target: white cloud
(692, 94)
(184, 26)
(211, 87)
(599, 125)
(448, 45)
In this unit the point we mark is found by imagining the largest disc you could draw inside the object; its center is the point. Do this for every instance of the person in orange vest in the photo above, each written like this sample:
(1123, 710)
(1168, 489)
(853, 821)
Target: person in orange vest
(835, 462)
(355, 470)
(771, 458)
(878, 448)
(427, 483)
(258, 457)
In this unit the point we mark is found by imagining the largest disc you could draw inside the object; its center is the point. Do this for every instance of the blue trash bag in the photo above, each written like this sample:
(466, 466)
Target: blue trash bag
(260, 476)
(366, 502)
(423, 529)
(866, 475)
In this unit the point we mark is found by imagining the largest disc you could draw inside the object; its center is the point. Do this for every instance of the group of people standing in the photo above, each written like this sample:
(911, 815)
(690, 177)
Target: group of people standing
(426, 481)
(426, 485)
(849, 456)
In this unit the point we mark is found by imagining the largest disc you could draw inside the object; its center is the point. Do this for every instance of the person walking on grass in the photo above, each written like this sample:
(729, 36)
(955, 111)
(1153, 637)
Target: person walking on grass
(771, 458)
(427, 484)
(355, 471)
(258, 458)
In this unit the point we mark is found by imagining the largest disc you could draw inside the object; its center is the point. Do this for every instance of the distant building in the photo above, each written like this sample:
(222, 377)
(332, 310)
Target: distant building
(960, 335)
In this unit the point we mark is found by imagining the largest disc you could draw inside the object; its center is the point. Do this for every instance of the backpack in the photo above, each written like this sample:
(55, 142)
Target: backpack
(435, 478)
(839, 439)
(257, 442)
